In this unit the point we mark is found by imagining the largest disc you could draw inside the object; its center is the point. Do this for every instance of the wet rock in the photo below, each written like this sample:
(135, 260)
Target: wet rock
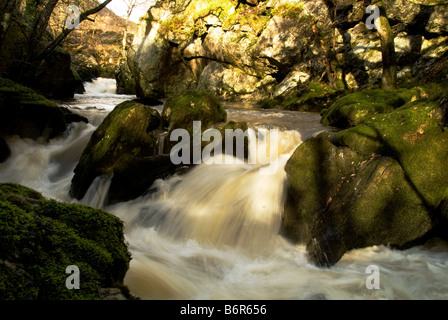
(376, 206)
(181, 110)
(125, 146)
(383, 181)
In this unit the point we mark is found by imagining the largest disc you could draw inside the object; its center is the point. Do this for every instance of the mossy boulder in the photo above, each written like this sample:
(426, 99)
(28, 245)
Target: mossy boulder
(29, 114)
(125, 146)
(182, 109)
(374, 206)
(351, 109)
(314, 173)
(312, 98)
(40, 238)
(380, 182)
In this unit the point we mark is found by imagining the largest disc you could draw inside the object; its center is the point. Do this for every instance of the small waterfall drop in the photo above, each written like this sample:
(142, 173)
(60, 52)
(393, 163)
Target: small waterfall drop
(96, 195)
(101, 85)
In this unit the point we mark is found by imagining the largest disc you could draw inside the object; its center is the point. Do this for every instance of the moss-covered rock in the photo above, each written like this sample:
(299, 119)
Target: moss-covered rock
(314, 173)
(30, 115)
(315, 97)
(40, 238)
(374, 206)
(415, 136)
(268, 103)
(380, 182)
(182, 109)
(125, 146)
(351, 109)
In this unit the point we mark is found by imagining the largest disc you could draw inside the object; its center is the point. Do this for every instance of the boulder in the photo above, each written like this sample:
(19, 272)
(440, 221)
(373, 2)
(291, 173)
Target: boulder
(314, 173)
(351, 109)
(182, 109)
(30, 115)
(125, 146)
(40, 238)
(383, 181)
(374, 206)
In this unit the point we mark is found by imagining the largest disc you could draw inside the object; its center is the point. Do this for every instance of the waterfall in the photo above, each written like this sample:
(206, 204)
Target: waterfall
(100, 85)
(96, 195)
(223, 205)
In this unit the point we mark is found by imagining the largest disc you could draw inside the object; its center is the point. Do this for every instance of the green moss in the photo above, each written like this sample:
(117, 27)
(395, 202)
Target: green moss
(314, 97)
(268, 103)
(182, 109)
(39, 238)
(289, 10)
(351, 109)
(414, 135)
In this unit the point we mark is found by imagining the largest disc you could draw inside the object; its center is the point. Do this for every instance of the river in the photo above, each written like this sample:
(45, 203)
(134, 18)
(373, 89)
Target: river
(213, 232)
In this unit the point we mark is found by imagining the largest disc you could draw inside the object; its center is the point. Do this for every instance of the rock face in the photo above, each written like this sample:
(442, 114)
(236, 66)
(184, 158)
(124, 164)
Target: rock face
(40, 238)
(272, 49)
(382, 181)
(125, 146)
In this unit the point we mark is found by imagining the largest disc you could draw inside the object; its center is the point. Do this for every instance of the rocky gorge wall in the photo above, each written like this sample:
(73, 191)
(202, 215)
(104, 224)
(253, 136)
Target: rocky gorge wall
(268, 49)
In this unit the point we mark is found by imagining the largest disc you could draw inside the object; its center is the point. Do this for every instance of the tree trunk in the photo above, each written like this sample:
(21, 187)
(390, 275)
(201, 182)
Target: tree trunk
(332, 67)
(389, 76)
(38, 28)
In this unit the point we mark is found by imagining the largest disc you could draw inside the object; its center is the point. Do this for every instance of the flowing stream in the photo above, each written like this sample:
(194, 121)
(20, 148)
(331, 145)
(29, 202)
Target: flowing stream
(213, 232)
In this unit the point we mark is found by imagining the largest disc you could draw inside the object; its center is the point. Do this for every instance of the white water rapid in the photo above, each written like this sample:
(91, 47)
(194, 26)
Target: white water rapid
(213, 232)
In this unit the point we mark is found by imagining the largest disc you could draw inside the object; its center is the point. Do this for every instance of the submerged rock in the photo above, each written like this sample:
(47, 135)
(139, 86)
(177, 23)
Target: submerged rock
(380, 182)
(40, 238)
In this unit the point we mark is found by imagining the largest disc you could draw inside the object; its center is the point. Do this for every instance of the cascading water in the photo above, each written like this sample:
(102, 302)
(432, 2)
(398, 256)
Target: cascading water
(213, 233)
